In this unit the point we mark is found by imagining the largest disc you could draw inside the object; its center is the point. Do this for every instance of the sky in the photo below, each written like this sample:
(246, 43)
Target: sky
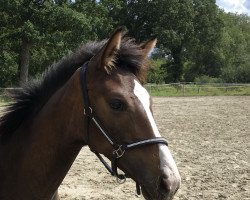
(235, 6)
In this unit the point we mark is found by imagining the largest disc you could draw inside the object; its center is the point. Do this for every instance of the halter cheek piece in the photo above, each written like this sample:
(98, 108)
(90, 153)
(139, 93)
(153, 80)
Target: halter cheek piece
(119, 149)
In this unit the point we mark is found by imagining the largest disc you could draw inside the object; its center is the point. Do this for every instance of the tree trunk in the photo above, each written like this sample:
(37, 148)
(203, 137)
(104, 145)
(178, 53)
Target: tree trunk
(178, 65)
(24, 61)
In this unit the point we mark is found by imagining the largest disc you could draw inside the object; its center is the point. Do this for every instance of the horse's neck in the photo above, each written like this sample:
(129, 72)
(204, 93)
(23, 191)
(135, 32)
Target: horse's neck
(46, 153)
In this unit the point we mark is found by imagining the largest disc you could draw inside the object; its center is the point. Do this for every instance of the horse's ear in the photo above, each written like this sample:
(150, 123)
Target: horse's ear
(111, 48)
(107, 55)
(148, 46)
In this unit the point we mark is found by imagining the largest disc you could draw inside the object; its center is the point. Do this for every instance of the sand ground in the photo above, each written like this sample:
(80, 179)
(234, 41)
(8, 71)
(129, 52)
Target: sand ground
(210, 140)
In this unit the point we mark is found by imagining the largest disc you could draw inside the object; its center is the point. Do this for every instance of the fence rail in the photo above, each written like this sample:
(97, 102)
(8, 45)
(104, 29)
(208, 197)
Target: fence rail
(4, 93)
(197, 89)
(181, 89)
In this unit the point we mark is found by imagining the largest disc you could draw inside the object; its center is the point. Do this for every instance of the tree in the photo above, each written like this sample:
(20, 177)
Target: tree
(204, 48)
(48, 26)
(183, 27)
(235, 44)
(195, 38)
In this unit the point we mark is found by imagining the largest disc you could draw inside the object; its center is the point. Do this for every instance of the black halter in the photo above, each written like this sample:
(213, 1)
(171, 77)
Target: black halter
(118, 148)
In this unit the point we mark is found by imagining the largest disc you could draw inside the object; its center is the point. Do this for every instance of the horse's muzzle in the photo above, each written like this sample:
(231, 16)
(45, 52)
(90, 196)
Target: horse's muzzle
(169, 184)
(164, 188)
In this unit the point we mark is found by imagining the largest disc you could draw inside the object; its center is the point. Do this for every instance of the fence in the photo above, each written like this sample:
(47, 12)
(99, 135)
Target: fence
(180, 89)
(198, 89)
(4, 94)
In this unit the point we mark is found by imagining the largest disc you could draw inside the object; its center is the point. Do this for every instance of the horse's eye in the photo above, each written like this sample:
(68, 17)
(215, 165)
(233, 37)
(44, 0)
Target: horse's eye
(116, 104)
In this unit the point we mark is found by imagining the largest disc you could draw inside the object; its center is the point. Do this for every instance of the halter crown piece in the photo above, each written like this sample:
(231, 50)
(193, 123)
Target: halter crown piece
(119, 149)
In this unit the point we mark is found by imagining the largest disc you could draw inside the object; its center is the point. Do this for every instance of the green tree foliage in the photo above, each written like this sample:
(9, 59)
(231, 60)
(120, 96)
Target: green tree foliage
(183, 27)
(195, 38)
(175, 30)
(156, 73)
(235, 48)
(203, 53)
(45, 29)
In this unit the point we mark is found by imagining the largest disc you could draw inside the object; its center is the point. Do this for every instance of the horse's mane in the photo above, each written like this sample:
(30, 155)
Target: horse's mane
(29, 100)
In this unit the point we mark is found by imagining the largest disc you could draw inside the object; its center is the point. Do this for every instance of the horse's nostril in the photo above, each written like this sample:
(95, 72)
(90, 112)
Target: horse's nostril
(169, 185)
(165, 185)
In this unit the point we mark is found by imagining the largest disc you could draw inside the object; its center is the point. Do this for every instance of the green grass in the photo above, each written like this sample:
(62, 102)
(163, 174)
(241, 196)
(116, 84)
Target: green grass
(4, 101)
(184, 90)
(198, 90)
(4, 98)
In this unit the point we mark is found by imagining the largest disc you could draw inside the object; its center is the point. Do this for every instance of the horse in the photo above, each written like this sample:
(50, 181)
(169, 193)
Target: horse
(95, 97)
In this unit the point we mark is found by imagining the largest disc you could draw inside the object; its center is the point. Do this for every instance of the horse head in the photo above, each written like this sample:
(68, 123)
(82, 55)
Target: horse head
(123, 107)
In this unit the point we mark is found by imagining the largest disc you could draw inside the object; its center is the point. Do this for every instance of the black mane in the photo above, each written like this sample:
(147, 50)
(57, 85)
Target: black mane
(32, 97)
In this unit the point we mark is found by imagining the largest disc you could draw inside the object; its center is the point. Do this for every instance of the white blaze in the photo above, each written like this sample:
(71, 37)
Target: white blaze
(166, 159)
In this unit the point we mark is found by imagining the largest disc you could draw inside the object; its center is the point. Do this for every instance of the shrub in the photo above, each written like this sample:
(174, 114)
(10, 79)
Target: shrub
(207, 79)
(156, 73)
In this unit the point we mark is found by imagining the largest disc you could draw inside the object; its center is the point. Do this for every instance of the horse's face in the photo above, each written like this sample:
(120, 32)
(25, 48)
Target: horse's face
(123, 106)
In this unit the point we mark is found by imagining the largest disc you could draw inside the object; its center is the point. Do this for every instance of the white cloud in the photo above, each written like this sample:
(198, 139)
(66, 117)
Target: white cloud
(235, 6)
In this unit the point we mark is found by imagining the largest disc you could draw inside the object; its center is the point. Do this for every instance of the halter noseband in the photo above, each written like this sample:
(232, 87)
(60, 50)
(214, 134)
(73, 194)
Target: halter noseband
(118, 148)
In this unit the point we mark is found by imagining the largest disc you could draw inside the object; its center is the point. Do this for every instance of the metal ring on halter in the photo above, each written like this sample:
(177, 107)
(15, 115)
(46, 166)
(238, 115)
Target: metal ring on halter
(121, 178)
(119, 152)
(89, 109)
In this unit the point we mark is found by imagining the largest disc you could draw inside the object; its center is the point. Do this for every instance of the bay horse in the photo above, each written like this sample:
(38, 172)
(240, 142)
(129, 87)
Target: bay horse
(92, 97)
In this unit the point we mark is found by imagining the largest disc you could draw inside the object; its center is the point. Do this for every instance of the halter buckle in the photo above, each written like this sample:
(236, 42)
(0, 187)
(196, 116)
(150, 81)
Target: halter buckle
(119, 151)
(87, 111)
(121, 178)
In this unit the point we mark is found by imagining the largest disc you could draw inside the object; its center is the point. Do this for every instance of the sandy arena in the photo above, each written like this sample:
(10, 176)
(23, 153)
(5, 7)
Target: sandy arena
(210, 140)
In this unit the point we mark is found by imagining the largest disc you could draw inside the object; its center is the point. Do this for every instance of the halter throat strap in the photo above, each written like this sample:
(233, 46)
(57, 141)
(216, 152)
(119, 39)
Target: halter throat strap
(118, 149)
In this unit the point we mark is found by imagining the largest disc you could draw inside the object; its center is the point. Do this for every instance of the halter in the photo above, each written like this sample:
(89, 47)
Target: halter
(119, 149)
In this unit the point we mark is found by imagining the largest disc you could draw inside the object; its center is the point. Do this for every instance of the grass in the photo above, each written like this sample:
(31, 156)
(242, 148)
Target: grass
(4, 100)
(198, 90)
(3, 103)
(179, 90)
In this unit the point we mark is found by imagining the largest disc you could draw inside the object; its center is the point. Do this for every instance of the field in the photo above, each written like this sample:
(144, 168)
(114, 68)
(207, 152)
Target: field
(210, 141)
(195, 89)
